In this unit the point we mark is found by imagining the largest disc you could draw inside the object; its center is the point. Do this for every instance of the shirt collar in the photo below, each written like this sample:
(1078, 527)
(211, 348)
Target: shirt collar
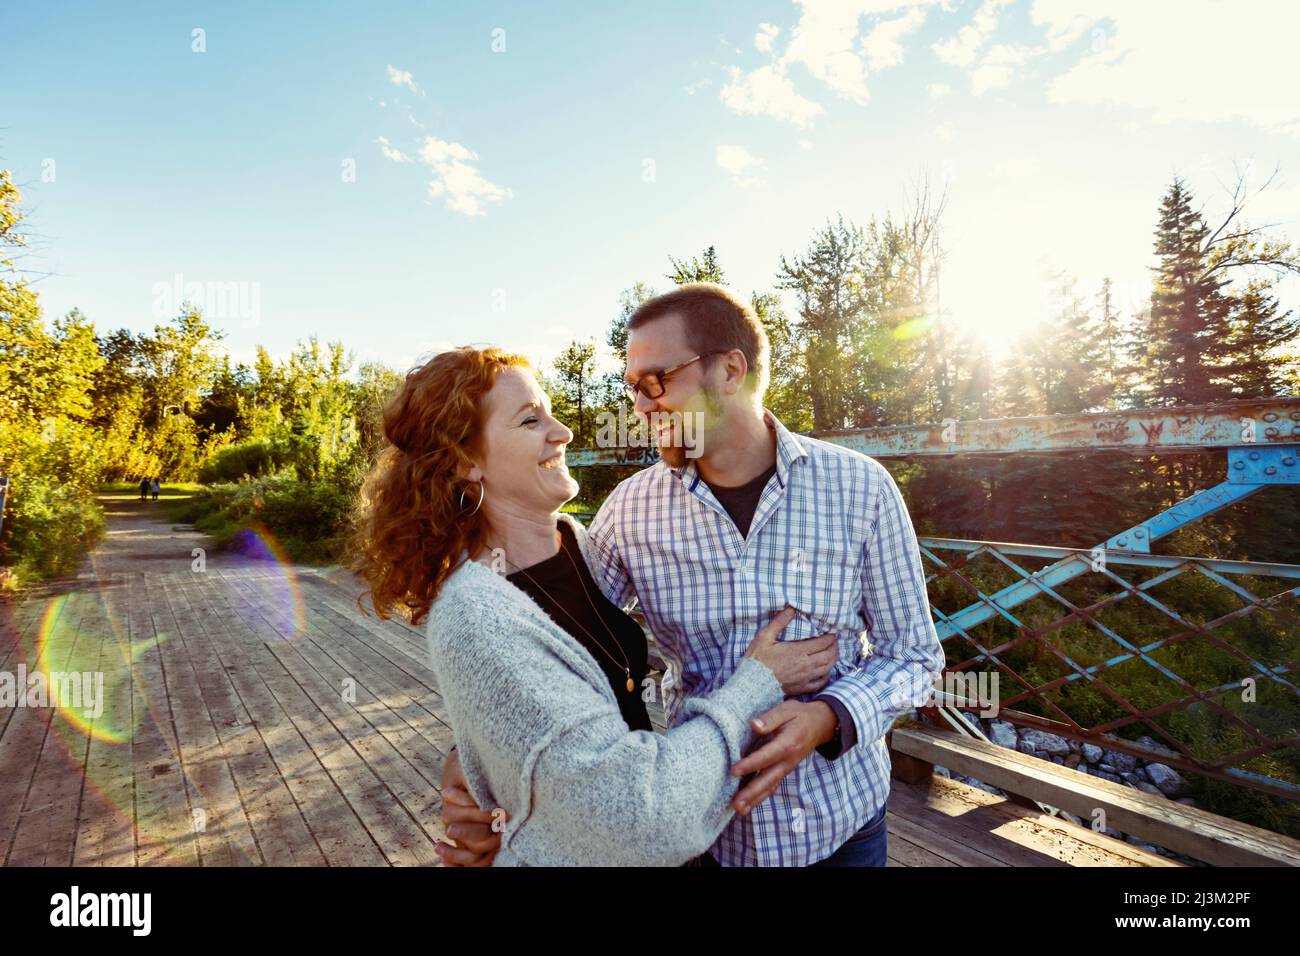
(789, 449)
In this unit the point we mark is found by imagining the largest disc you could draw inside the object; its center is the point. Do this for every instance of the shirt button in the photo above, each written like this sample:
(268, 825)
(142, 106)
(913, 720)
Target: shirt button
(744, 568)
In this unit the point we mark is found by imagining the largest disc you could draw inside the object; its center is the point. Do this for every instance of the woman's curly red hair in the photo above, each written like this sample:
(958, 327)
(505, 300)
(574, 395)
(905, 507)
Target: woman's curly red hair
(411, 529)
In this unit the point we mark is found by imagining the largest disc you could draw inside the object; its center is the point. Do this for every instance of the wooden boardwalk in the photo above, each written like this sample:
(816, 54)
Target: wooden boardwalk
(253, 716)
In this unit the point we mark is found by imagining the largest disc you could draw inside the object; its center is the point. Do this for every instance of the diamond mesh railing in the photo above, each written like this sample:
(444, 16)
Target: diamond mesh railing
(1105, 651)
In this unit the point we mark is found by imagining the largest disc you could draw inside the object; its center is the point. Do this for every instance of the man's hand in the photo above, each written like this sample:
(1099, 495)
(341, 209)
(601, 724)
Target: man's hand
(471, 828)
(800, 667)
(794, 730)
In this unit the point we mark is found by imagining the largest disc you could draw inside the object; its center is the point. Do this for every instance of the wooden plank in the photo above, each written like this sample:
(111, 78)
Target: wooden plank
(1011, 833)
(22, 736)
(1196, 833)
(224, 833)
(910, 853)
(278, 826)
(379, 780)
(337, 831)
(345, 769)
(47, 826)
(164, 827)
(106, 817)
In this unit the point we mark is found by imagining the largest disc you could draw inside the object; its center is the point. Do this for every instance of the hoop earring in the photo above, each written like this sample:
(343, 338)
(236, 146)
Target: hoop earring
(476, 507)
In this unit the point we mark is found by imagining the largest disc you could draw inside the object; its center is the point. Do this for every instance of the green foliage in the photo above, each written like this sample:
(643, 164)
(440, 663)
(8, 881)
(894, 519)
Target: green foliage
(308, 518)
(49, 526)
(256, 458)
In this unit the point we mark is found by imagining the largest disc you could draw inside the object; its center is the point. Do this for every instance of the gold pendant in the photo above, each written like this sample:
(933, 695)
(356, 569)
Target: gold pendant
(630, 686)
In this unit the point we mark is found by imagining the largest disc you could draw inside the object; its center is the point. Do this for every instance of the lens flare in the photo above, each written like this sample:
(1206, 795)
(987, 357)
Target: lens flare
(281, 605)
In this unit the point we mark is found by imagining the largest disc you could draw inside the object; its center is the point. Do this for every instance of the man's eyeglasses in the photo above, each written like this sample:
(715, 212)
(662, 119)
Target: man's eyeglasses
(651, 384)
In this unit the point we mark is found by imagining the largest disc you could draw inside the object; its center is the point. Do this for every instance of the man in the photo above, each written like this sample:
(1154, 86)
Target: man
(739, 518)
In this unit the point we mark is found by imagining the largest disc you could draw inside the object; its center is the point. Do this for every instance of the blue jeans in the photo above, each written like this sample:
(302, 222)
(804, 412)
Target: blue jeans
(868, 847)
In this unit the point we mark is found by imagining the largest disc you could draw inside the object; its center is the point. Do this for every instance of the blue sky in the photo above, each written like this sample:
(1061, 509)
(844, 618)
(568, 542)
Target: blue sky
(517, 165)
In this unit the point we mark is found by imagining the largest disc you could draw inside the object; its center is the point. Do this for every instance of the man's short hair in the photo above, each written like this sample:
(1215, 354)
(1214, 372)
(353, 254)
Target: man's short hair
(715, 321)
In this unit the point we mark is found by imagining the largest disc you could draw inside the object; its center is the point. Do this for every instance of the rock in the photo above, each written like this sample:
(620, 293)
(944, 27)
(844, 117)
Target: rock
(1048, 743)
(1150, 788)
(1131, 779)
(1002, 733)
(942, 772)
(1169, 780)
(1188, 802)
(1040, 754)
(1078, 822)
(1142, 844)
(1109, 776)
(1123, 763)
(1058, 760)
(1073, 760)
(1025, 747)
(1092, 753)
(1105, 768)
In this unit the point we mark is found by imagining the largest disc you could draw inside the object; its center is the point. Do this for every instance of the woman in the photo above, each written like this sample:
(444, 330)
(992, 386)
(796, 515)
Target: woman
(541, 675)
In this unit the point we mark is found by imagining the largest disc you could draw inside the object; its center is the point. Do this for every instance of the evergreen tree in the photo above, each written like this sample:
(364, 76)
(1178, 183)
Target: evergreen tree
(1186, 346)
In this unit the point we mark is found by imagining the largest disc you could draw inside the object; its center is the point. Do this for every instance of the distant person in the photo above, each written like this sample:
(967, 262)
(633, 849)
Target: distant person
(144, 488)
(157, 487)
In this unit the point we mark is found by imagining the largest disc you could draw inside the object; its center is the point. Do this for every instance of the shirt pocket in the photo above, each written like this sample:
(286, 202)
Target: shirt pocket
(826, 593)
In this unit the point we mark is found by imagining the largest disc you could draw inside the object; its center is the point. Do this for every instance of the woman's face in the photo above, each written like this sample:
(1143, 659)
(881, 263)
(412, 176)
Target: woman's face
(523, 469)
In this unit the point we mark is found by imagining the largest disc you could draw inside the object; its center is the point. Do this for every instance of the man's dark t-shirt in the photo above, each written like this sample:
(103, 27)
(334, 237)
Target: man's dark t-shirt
(741, 502)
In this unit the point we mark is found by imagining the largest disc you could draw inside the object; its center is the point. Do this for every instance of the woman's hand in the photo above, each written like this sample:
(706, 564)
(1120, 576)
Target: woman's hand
(476, 841)
(802, 667)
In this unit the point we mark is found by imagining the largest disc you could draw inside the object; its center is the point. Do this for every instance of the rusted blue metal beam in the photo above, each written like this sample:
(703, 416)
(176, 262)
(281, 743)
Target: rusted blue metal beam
(1262, 422)
(1117, 558)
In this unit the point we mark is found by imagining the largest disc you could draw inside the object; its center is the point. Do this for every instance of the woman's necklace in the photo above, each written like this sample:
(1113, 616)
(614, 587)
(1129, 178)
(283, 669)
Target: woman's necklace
(627, 669)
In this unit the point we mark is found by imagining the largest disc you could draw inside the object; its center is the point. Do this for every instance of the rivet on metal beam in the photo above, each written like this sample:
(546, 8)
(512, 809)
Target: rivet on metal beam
(1270, 416)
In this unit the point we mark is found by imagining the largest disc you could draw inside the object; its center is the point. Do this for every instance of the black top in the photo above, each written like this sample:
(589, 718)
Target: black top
(569, 598)
(741, 502)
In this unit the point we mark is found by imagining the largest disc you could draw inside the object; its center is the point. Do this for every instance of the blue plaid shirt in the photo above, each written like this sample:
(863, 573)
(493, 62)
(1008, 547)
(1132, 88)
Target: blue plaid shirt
(832, 537)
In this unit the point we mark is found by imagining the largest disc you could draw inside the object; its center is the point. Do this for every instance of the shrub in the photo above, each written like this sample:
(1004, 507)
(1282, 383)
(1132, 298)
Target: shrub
(48, 527)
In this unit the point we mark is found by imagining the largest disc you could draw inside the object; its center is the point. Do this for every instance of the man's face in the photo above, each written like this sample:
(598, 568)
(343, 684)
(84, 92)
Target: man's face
(658, 345)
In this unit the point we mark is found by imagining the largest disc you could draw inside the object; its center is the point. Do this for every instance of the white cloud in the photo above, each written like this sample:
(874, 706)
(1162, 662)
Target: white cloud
(402, 78)
(827, 42)
(767, 91)
(945, 133)
(998, 67)
(882, 45)
(1210, 63)
(962, 48)
(740, 164)
(805, 144)
(392, 152)
(456, 178)
(938, 91)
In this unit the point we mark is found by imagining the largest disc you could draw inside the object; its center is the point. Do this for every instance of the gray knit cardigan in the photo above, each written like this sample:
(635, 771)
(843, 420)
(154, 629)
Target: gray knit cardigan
(540, 735)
